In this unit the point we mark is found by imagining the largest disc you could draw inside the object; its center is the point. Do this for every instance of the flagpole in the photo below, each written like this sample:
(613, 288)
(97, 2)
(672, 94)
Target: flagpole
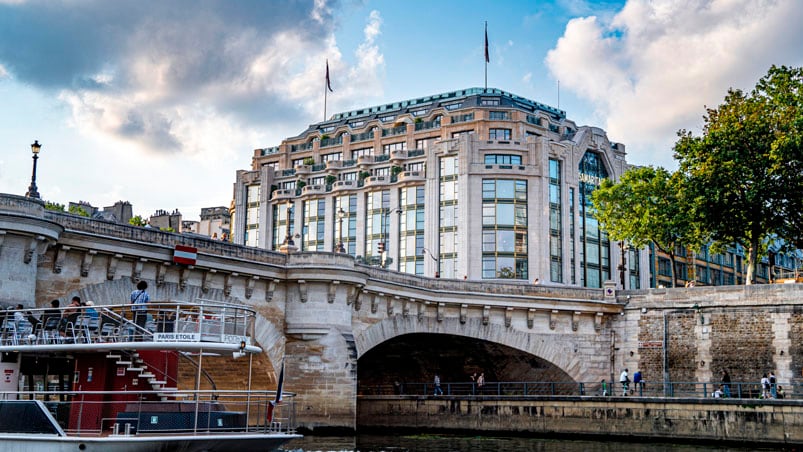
(324, 90)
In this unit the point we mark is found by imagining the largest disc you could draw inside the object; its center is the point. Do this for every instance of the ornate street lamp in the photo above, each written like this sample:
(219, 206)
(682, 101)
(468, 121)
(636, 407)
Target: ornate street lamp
(340, 215)
(32, 192)
(622, 265)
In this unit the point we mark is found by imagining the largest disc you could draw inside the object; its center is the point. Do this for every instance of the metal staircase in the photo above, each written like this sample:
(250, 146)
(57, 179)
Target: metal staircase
(134, 363)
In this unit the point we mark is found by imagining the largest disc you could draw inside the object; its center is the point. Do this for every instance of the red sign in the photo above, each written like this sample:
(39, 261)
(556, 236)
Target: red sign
(185, 255)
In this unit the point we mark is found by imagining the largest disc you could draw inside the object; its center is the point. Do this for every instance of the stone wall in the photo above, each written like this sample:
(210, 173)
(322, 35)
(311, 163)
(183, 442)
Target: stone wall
(677, 419)
(747, 330)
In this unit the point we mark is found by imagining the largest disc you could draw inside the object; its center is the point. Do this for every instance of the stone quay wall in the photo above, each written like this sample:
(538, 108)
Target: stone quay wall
(699, 420)
(693, 334)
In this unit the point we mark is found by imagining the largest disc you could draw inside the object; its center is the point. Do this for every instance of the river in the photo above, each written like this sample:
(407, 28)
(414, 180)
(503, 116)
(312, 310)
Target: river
(457, 443)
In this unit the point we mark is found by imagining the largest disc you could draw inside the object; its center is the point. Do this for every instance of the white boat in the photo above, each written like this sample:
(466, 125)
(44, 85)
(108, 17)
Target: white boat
(91, 379)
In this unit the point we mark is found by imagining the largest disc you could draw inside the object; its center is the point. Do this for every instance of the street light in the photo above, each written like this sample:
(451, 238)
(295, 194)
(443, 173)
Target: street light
(382, 247)
(340, 215)
(622, 266)
(437, 262)
(32, 192)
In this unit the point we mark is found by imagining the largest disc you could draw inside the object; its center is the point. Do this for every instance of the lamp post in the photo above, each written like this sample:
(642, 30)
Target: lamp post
(622, 266)
(340, 215)
(383, 247)
(437, 262)
(32, 192)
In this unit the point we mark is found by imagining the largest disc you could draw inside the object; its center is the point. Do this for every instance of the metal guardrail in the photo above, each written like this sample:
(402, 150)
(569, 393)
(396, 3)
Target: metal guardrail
(164, 322)
(678, 389)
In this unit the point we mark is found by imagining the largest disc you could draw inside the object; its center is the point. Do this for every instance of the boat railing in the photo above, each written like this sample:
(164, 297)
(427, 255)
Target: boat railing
(163, 321)
(182, 412)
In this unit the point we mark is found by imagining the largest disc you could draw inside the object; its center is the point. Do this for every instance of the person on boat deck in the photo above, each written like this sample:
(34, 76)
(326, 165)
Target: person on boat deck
(19, 317)
(71, 312)
(54, 311)
(91, 311)
(139, 300)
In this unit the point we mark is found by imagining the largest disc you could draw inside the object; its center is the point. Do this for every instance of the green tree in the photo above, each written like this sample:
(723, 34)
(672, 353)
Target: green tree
(744, 173)
(54, 206)
(137, 220)
(646, 205)
(77, 210)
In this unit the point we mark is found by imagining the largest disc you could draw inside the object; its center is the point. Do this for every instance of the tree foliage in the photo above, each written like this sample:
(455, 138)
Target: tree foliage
(744, 175)
(54, 206)
(646, 206)
(137, 220)
(77, 210)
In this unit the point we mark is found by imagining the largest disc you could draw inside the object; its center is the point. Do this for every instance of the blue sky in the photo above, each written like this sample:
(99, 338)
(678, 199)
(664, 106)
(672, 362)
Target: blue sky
(159, 103)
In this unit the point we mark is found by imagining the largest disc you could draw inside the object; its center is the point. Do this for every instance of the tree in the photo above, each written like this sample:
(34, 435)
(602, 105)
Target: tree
(137, 220)
(78, 210)
(54, 206)
(744, 173)
(646, 205)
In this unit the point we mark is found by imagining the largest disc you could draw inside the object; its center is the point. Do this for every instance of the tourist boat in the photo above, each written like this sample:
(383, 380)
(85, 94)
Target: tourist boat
(91, 378)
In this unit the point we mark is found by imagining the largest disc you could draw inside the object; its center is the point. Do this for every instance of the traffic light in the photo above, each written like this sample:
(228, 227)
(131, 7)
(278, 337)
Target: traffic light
(380, 247)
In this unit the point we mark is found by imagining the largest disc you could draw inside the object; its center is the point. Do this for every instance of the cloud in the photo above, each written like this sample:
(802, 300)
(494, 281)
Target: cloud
(651, 68)
(138, 71)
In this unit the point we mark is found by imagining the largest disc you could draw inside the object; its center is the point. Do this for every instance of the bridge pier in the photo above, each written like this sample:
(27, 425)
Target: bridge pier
(24, 236)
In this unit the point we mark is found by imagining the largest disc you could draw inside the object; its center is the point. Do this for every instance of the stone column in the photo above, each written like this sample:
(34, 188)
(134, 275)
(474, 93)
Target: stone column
(24, 235)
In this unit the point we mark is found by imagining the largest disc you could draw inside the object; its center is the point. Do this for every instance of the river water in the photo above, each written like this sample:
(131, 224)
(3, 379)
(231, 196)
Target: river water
(457, 443)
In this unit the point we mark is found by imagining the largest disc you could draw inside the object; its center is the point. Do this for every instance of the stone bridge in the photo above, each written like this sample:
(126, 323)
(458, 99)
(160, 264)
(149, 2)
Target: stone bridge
(338, 324)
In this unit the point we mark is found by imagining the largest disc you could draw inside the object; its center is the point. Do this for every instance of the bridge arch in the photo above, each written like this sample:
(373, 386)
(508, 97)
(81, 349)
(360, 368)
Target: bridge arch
(558, 350)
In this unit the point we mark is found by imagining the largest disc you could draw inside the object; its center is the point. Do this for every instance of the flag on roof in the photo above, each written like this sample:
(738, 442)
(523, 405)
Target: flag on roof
(328, 82)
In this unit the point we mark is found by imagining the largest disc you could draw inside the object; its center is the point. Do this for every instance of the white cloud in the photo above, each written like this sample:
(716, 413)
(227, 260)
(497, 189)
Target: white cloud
(650, 70)
(3, 71)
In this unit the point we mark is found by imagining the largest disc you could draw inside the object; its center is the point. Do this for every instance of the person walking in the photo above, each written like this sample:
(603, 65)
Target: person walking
(638, 382)
(765, 387)
(773, 385)
(726, 383)
(438, 390)
(624, 380)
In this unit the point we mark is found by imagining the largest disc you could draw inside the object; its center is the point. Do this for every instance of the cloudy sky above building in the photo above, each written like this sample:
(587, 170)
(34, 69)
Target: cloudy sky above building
(160, 102)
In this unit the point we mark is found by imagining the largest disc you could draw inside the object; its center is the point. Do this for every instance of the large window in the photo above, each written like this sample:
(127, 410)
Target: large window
(499, 134)
(252, 193)
(555, 222)
(448, 217)
(595, 267)
(504, 229)
(282, 224)
(390, 147)
(502, 159)
(357, 153)
(411, 230)
(498, 115)
(376, 228)
(314, 225)
(345, 227)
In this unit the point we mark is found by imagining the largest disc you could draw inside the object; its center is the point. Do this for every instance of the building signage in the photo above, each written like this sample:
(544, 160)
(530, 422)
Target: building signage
(185, 255)
(176, 337)
(650, 344)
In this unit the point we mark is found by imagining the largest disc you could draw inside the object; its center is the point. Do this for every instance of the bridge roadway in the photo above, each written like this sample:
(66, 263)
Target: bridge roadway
(324, 314)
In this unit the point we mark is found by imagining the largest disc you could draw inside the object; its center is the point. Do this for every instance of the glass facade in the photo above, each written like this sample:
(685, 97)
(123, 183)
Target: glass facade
(447, 217)
(411, 230)
(595, 250)
(555, 223)
(504, 229)
(282, 224)
(348, 223)
(314, 222)
(377, 206)
(252, 193)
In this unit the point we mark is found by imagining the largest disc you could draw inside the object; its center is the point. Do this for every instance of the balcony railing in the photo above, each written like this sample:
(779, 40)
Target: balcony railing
(394, 131)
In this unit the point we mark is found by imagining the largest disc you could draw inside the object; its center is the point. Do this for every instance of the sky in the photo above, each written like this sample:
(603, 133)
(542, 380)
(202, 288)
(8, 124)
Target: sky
(159, 103)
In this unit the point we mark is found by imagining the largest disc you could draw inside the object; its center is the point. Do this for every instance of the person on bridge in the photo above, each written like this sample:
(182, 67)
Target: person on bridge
(438, 390)
(638, 382)
(726, 383)
(625, 380)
